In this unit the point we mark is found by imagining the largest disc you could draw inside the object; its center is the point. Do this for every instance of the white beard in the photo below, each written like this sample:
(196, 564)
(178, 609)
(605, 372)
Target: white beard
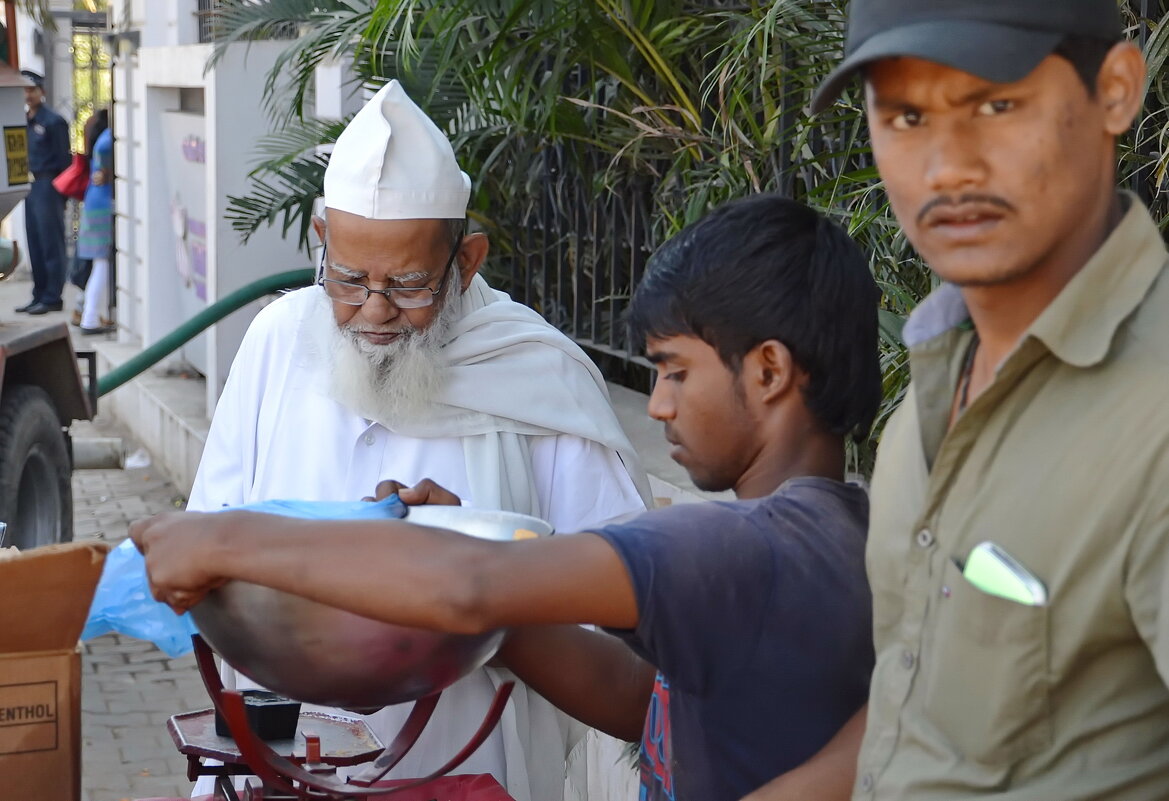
(395, 383)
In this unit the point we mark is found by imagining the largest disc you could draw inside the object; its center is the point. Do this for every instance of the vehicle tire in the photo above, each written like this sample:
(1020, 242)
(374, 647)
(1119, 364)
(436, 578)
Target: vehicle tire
(36, 495)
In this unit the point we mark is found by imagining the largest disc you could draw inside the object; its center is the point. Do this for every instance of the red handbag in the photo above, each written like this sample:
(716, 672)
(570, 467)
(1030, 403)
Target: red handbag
(74, 179)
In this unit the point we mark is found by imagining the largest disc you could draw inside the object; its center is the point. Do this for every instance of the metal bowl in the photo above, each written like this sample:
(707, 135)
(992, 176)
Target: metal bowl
(321, 655)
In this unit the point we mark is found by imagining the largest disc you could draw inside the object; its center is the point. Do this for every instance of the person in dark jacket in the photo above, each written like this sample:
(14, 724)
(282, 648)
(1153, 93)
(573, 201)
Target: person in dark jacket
(44, 208)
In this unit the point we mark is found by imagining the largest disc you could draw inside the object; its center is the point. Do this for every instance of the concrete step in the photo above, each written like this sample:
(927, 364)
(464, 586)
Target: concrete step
(98, 453)
(164, 412)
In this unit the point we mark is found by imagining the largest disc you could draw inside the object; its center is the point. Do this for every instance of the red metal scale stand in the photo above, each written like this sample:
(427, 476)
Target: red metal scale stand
(286, 771)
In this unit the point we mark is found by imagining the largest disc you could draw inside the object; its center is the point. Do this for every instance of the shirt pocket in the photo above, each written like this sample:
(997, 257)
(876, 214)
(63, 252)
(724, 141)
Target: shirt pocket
(987, 683)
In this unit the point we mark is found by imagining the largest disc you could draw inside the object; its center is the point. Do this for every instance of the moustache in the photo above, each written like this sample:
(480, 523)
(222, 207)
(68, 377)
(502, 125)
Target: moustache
(354, 331)
(962, 200)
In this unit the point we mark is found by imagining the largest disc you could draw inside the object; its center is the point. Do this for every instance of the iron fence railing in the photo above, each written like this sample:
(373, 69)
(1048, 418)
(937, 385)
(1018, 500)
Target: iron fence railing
(579, 252)
(578, 256)
(205, 18)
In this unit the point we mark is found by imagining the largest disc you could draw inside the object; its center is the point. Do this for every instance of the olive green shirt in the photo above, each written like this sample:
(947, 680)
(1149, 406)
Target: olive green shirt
(1063, 461)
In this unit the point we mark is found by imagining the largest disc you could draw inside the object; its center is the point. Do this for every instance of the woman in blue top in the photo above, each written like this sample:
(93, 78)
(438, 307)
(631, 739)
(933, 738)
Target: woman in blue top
(96, 235)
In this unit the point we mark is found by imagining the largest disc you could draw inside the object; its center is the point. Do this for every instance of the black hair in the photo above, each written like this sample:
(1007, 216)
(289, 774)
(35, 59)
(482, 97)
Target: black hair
(1086, 54)
(766, 267)
(94, 127)
(454, 230)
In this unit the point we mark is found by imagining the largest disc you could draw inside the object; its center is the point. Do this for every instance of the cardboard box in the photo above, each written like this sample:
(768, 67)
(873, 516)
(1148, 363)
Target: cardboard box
(45, 594)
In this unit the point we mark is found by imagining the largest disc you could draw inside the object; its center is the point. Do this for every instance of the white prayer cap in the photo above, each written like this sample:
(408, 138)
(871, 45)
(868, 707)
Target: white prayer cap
(392, 163)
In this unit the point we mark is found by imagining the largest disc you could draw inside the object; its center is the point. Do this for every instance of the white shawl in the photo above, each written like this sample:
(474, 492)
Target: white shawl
(510, 374)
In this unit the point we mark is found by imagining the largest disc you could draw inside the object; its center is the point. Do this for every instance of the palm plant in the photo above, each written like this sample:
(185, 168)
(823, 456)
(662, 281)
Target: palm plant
(38, 10)
(1144, 163)
(593, 130)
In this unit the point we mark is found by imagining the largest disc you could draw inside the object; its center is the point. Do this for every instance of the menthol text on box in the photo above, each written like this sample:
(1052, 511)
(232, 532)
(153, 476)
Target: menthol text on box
(28, 717)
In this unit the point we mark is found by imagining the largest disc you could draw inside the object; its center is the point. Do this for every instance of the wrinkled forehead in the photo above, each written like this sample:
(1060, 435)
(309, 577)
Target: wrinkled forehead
(899, 75)
(351, 231)
(901, 81)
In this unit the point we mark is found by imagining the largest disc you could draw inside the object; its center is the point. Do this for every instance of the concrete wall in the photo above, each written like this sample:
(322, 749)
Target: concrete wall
(186, 143)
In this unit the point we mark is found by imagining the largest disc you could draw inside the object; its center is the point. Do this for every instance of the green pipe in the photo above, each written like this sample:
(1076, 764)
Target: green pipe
(201, 322)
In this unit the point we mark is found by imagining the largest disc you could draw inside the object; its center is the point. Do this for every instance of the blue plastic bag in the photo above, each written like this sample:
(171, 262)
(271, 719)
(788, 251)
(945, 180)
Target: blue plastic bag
(123, 602)
(388, 508)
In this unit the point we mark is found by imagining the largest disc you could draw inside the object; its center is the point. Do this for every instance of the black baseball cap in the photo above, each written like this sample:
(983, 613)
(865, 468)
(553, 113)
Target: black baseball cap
(997, 40)
(34, 78)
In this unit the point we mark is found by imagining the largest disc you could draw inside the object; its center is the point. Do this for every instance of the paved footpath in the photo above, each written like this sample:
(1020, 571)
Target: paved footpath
(129, 687)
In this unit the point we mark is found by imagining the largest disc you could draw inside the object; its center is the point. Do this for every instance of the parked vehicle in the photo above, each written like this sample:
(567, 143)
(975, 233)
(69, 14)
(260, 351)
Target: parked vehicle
(41, 389)
(41, 394)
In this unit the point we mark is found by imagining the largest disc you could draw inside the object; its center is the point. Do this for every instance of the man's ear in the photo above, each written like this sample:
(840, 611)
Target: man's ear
(772, 370)
(472, 254)
(1120, 86)
(319, 227)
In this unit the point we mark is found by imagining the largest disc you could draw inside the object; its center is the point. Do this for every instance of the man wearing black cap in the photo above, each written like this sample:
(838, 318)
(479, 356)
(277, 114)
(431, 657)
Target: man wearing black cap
(1018, 548)
(44, 208)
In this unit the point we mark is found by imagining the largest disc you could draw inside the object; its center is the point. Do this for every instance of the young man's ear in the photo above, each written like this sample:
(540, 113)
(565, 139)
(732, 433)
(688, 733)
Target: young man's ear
(1120, 87)
(773, 370)
(472, 254)
(319, 227)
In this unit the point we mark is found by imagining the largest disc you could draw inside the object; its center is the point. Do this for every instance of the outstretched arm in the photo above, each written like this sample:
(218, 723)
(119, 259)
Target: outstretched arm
(391, 570)
(591, 676)
(827, 776)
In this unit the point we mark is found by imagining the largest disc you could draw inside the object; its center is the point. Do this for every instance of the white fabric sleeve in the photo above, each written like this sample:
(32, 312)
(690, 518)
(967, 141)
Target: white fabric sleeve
(581, 484)
(228, 462)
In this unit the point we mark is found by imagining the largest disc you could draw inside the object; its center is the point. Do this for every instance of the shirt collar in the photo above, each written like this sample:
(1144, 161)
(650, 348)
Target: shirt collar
(1079, 325)
(942, 311)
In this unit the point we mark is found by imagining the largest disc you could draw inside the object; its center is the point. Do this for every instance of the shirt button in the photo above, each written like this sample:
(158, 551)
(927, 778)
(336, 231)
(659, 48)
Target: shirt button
(867, 783)
(925, 538)
(907, 659)
(369, 439)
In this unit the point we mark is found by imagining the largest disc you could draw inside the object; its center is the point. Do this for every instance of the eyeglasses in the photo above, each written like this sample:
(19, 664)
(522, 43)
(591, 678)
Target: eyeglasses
(404, 297)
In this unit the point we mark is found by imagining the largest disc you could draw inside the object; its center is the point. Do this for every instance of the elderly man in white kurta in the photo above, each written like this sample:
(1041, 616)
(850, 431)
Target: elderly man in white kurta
(402, 363)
